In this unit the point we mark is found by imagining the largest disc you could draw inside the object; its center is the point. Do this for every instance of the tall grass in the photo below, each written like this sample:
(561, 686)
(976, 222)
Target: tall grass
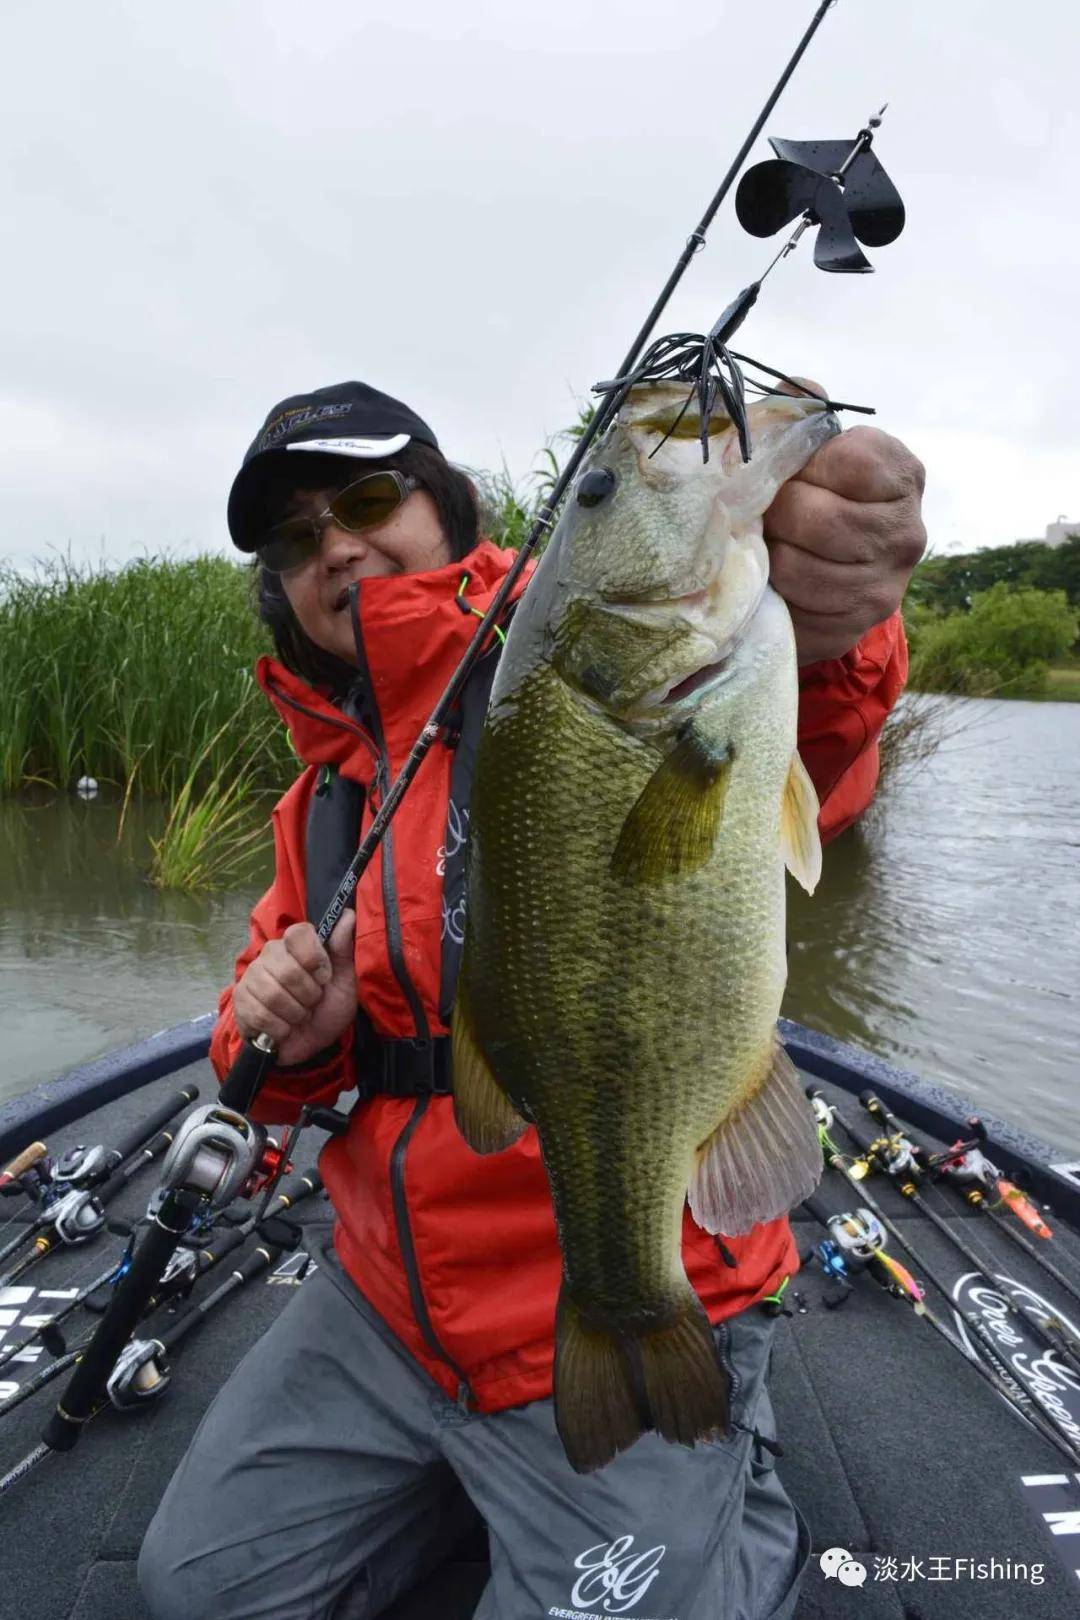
(131, 676)
(215, 833)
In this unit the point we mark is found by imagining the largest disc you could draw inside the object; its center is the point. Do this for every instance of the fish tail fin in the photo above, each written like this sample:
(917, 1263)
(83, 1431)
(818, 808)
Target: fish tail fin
(599, 1408)
(685, 1386)
(763, 1160)
(597, 1412)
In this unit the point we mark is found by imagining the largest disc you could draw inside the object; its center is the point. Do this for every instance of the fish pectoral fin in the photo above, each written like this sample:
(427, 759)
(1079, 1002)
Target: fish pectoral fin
(763, 1159)
(672, 829)
(799, 826)
(483, 1113)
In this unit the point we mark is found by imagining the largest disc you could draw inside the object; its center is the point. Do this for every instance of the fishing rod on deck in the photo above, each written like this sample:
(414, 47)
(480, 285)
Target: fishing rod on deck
(190, 1262)
(856, 1242)
(72, 1190)
(895, 1157)
(141, 1372)
(966, 1168)
(79, 1215)
(854, 1173)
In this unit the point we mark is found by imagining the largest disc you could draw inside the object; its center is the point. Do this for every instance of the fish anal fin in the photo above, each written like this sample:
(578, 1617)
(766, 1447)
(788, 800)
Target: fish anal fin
(799, 837)
(763, 1159)
(672, 829)
(483, 1113)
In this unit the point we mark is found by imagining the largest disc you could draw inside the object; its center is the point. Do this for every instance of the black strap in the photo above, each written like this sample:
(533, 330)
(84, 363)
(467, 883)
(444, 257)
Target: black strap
(403, 1068)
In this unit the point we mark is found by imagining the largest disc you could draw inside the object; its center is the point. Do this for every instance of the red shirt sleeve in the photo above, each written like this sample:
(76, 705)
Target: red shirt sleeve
(328, 1073)
(843, 704)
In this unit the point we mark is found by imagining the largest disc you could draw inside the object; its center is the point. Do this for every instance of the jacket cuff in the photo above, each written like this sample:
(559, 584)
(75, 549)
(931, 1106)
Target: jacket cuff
(860, 669)
(314, 1064)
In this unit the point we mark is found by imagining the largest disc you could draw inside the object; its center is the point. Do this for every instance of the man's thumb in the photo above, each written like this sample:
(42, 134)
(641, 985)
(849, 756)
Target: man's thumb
(339, 946)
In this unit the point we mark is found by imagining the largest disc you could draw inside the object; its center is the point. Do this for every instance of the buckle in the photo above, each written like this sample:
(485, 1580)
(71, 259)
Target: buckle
(406, 1068)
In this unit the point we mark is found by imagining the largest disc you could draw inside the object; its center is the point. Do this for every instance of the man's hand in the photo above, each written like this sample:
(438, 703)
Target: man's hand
(300, 992)
(843, 538)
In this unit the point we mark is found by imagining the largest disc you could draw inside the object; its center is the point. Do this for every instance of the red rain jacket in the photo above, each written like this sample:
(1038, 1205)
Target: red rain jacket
(456, 1252)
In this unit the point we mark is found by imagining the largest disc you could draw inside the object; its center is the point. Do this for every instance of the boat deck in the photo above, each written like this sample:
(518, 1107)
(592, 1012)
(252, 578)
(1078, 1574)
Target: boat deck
(892, 1449)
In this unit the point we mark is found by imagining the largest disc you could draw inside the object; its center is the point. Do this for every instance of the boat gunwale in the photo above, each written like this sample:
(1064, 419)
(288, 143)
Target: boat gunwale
(942, 1113)
(53, 1104)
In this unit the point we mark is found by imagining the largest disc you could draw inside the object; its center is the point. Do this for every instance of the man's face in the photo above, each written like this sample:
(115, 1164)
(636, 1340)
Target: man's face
(411, 541)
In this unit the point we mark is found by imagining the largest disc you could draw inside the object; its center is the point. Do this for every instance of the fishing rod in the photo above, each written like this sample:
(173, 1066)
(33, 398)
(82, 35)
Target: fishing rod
(215, 1157)
(964, 1164)
(69, 1191)
(856, 1242)
(18, 1166)
(256, 1057)
(270, 1227)
(187, 1266)
(141, 1372)
(825, 1116)
(897, 1160)
(80, 1215)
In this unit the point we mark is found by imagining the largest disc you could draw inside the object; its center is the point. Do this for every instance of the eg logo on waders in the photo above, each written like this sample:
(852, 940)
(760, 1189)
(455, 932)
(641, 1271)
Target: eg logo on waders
(615, 1577)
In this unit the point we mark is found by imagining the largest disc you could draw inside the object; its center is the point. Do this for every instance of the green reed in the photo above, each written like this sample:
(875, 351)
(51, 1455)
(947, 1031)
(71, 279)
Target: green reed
(216, 831)
(132, 675)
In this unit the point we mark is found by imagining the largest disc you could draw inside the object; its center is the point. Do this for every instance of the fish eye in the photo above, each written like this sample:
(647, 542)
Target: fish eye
(595, 486)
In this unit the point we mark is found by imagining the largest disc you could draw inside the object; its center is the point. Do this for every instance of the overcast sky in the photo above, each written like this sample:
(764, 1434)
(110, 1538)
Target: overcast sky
(206, 207)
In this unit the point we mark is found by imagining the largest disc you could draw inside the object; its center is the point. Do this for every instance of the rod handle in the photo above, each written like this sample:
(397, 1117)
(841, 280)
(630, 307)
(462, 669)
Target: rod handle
(87, 1383)
(139, 1134)
(260, 1258)
(247, 1076)
(22, 1161)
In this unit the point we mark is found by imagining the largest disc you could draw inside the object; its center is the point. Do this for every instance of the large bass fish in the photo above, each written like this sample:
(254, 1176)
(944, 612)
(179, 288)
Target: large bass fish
(637, 795)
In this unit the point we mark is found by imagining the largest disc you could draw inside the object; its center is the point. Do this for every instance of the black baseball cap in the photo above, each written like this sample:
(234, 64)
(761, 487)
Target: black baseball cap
(349, 419)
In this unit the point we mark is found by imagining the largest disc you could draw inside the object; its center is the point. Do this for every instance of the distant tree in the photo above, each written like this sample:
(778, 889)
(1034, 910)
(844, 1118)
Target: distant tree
(1002, 644)
(949, 584)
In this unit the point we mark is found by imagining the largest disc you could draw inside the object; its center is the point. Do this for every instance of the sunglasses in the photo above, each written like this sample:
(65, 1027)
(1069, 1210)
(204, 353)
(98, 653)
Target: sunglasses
(362, 505)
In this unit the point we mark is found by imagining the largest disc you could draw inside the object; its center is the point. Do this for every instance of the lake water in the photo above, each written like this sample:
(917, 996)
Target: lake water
(944, 934)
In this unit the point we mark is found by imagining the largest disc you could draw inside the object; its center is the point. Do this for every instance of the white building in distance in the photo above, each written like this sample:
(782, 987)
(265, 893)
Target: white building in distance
(1057, 533)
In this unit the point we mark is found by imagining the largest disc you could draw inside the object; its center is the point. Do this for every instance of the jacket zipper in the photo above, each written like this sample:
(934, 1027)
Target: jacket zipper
(328, 720)
(408, 1251)
(423, 1033)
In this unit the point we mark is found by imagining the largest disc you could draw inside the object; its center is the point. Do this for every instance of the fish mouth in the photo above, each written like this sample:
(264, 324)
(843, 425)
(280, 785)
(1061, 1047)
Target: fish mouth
(697, 681)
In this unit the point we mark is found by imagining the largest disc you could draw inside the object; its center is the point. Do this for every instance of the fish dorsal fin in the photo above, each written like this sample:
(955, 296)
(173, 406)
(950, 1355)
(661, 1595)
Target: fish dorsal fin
(672, 829)
(763, 1159)
(799, 838)
(484, 1114)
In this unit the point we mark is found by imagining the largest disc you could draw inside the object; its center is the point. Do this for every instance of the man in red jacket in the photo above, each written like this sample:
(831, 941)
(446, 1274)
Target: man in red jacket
(418, 1360)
